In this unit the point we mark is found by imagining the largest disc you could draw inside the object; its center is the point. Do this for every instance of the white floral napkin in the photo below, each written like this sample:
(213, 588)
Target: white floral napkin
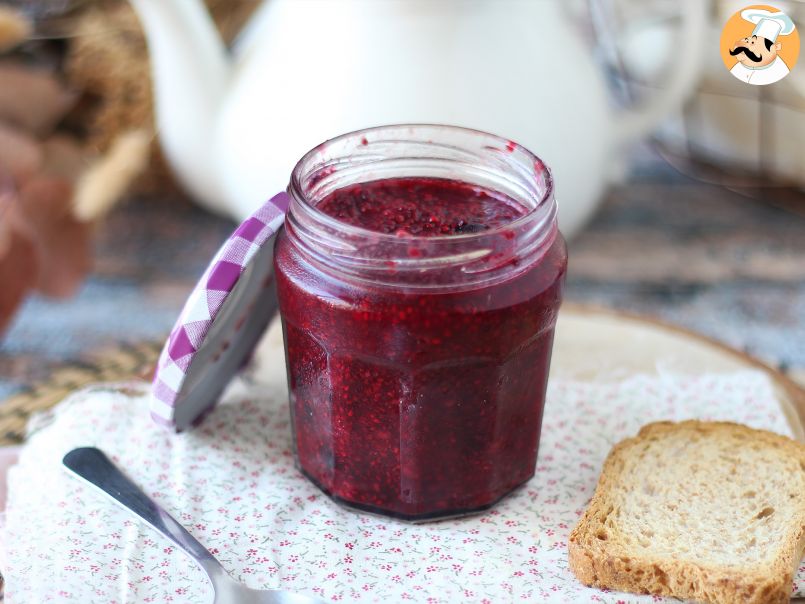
(233, 484)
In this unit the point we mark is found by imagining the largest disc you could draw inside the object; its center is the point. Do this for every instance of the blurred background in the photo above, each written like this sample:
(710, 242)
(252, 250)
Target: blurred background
(680, 187)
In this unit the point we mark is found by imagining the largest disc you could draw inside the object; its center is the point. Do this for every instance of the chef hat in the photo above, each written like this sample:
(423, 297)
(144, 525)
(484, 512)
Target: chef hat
(768, 25)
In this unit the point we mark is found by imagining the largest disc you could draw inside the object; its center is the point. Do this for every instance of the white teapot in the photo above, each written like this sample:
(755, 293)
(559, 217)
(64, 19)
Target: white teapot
(233, 126)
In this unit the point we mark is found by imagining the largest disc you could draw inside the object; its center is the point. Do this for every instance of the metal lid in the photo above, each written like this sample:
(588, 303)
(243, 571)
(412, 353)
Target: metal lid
(221, 323)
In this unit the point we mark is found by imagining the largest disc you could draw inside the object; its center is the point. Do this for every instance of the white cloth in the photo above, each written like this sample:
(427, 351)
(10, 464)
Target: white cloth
(232, 483)
(8, 457)
(773, 72)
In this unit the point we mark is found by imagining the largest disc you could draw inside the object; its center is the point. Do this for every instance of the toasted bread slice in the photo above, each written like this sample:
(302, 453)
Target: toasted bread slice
(706, 511)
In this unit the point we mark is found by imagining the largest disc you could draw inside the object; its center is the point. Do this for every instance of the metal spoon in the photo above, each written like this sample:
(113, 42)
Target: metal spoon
(93, 466)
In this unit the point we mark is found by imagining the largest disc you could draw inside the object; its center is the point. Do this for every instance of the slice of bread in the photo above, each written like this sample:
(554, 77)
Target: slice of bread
(706, 511)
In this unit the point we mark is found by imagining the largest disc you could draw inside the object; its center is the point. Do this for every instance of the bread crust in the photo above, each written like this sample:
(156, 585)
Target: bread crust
(610, 564)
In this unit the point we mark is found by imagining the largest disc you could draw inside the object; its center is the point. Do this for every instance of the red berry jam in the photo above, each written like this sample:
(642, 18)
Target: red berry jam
(419, 275)
(411, 402)
(421, 207)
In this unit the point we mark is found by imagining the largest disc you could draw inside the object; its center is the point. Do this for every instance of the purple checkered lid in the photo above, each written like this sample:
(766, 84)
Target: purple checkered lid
(221, 323)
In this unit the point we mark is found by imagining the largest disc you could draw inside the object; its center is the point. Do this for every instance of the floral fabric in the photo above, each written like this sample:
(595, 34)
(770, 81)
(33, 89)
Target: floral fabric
(232, 483)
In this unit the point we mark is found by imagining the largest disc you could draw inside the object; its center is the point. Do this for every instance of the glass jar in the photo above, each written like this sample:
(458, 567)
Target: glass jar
(417, 365)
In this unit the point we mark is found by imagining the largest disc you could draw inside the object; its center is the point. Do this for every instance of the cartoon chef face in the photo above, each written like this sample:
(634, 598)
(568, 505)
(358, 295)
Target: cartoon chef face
(756, 57)
(755, 51)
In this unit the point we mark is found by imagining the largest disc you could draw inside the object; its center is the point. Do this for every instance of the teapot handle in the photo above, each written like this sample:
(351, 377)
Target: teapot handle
(635, 123)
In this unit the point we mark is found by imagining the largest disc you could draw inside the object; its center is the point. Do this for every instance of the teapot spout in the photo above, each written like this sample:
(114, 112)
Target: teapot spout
(190, 72)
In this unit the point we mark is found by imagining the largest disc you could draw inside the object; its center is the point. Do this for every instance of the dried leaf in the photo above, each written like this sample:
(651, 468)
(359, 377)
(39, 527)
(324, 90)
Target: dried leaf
(18, 274)
(102, 185)
(31, 99)
(14, 28)
(20, 154)
(8, 196)
(63, 157)
(63, 243)
(5, 235)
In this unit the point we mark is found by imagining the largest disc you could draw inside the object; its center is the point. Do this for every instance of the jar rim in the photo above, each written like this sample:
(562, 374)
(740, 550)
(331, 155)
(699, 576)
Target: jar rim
(295, 186)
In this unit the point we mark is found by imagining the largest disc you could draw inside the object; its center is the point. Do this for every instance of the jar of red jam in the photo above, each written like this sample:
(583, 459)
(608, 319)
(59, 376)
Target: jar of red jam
(419, 275)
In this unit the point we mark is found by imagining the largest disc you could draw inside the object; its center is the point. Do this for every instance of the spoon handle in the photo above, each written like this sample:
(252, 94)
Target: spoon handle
(96, 468)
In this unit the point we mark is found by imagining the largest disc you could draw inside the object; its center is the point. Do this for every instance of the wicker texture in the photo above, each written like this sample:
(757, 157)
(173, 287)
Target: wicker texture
(122, 363)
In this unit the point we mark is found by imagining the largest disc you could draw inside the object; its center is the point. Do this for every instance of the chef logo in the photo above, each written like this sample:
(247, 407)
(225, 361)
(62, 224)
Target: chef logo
(760, 45)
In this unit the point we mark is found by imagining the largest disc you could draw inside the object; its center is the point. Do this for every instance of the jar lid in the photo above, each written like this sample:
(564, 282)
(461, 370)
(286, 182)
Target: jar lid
(222, 321)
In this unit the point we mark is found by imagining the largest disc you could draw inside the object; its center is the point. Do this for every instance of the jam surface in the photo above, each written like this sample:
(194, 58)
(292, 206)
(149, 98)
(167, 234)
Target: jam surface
(420, 206)
(415, 403)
